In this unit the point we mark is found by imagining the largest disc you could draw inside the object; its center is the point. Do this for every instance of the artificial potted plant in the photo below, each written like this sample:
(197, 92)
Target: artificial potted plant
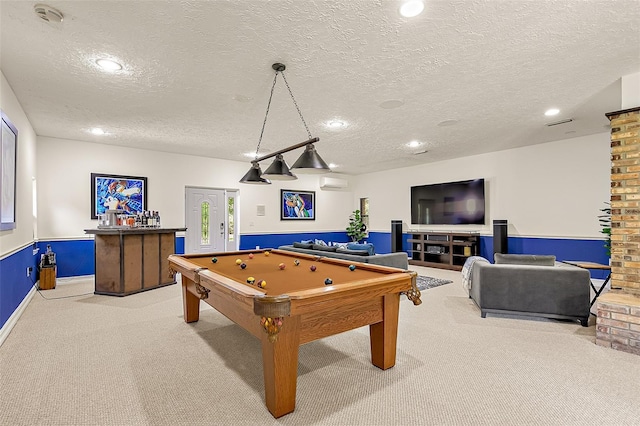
(605, 225)
(356, 229)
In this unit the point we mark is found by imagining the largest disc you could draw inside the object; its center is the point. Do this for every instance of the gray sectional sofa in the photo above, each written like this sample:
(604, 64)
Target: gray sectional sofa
(394, 260)
(531, 285)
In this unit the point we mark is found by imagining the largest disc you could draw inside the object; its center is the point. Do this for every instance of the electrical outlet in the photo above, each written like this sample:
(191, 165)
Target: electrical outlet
(29, 270)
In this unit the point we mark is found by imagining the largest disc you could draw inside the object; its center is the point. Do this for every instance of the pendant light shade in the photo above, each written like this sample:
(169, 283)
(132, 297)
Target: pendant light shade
(310, 162)
(254, 176)
(278, 170)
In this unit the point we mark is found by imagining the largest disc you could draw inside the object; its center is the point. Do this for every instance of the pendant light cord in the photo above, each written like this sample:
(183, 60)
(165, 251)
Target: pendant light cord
(296, 104)
(264, 123)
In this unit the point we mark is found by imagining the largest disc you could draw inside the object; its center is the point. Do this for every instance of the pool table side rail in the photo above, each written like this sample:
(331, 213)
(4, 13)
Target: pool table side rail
(393, 274)
(295, 255)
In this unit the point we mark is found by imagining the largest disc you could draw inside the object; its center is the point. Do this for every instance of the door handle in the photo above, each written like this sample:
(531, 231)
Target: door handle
(222, 228)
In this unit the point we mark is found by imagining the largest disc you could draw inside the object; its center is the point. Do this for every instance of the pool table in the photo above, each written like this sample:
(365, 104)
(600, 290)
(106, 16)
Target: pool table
(297, 305)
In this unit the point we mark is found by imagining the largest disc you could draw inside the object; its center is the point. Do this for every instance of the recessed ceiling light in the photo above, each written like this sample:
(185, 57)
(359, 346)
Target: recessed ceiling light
(97, 131)
(332, 166)
(241, 98)
(108, 65)
(552, 111)
(412, 8)
(446, 123)
(391, 104)
(414, 144)
(335, 124)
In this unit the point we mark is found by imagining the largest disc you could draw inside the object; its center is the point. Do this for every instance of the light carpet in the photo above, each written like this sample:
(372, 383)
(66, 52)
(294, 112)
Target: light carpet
(100, 360)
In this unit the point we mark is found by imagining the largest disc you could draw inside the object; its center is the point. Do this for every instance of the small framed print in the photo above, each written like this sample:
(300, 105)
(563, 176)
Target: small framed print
(297, 205)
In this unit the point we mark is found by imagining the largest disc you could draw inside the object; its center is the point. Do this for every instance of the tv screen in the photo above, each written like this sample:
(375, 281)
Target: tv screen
(451, 203)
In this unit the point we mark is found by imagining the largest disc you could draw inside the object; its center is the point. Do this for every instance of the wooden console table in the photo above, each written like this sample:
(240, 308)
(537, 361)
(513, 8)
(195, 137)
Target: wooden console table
(132, 260)
(446, 250)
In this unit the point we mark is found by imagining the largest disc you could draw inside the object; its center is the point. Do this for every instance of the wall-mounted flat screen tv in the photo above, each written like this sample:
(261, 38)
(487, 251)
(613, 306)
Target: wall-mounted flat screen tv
(450, 203)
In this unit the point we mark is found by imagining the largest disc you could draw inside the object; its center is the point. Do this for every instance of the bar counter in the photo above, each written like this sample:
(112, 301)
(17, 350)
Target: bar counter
(131, 260)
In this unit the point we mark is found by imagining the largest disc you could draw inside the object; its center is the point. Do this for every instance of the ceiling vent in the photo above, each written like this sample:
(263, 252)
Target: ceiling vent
(48, 13)
(332, 183)
(555, 123)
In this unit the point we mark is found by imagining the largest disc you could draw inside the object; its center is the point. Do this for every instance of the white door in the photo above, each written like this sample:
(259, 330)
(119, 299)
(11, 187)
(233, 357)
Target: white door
(205, 218)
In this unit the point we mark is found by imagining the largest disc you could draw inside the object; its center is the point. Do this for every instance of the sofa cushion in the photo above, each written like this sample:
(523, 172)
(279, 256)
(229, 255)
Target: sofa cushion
(320, 242)
(324, 248)
(368, 247)
(302, 245)
(525, 259)
(341, 245)
(353, 252)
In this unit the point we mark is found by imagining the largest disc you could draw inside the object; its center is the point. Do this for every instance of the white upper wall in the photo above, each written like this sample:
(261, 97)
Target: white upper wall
(630, 91)
(64, 188)
(549, 190)
(22, 235)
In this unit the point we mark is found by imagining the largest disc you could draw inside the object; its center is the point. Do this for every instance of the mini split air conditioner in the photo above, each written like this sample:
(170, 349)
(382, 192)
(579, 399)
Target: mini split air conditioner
(332, 183)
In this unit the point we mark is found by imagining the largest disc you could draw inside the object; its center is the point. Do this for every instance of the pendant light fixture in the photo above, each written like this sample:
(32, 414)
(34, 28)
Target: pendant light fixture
(309, 162)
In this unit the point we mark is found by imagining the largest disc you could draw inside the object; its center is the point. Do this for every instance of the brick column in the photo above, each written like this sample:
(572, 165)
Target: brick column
(618, 317)
(625, 198)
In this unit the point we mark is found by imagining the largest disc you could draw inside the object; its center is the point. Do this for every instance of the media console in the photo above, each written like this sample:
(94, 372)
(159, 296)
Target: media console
(446, 250)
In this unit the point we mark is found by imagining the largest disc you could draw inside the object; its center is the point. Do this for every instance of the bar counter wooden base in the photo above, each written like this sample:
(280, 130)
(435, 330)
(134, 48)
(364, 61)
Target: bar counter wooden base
(131, 260)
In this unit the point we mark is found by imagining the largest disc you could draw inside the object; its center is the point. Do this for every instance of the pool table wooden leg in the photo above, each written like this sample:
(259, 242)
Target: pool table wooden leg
(190, 302)
(384, 334)
(280, 366)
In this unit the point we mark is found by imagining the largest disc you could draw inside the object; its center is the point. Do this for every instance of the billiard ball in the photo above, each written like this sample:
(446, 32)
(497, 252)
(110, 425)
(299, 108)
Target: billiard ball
(262, 283)
(251, 280)
(296, 262)
(328, 281)
(266, 253)
(238, 261)
(281, 266)
(313, 268)
(250, 255)
(352, 267)
(214, 260)
(243, 265)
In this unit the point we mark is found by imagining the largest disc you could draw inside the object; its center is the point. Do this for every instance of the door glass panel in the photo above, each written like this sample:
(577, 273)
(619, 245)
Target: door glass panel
(364, 213)
(230, 209)
(204, 232)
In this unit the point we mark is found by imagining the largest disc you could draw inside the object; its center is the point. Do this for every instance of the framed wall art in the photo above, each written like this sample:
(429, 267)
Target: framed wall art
(115, 192)
(297, 205)
(8, 157)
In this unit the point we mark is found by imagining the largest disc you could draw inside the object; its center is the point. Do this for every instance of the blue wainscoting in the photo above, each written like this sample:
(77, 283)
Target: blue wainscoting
(77, 257)
(73, 257)
(562, 248)
(14, 283)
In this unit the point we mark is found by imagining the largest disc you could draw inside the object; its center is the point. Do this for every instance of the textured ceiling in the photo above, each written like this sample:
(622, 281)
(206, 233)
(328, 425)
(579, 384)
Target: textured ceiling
(197, 74)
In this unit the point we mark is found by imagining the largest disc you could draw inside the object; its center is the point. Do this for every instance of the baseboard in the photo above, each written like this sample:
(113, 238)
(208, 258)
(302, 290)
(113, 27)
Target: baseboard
(13, 319)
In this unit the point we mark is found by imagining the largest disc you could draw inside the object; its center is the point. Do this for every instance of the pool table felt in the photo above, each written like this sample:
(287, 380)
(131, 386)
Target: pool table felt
(290, 279)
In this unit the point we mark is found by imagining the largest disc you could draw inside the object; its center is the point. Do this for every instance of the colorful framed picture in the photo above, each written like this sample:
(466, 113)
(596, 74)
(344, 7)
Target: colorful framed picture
(8, 156)
(114, 192)
(297, 205)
